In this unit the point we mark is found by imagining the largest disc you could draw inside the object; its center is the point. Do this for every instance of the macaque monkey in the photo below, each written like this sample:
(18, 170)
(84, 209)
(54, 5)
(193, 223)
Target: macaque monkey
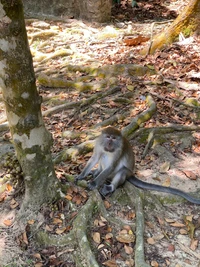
(116, 161)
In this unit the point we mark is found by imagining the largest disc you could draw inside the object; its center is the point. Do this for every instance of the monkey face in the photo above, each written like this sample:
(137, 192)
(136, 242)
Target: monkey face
(111, 143)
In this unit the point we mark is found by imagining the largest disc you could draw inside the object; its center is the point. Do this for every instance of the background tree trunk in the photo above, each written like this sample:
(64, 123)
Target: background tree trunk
(90, 10)
(187, 23)
(31, 140)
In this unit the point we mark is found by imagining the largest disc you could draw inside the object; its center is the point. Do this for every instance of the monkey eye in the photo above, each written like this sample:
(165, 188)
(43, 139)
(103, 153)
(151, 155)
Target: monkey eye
(113, 137)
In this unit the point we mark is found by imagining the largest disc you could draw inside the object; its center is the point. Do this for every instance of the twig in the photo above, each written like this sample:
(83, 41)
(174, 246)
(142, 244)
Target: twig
(149, 143)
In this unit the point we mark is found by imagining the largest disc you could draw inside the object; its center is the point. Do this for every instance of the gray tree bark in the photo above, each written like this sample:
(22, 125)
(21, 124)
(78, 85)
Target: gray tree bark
(31, 140)
(90, 10)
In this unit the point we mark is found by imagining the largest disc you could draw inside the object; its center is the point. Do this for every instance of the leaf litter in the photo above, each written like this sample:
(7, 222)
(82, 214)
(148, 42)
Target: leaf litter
(171, 240)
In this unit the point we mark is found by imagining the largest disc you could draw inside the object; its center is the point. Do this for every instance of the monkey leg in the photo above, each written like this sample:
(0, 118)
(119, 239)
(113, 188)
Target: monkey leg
(118, 180)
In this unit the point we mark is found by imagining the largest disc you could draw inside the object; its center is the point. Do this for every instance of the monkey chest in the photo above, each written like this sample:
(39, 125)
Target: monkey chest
(106, 160)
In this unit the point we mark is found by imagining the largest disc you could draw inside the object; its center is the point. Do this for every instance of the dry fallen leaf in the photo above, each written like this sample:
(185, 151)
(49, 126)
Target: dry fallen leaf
(194, 244)
(110, 263)
(128, 250)
(171, 248)
(136, 41)
(68, 197)
(154, 264)
(150, 241)
(8, 222)
(107, 204)
(96, 237)
(164, 167)
(13, 204)
(183, 232)
(191, 175)
(57, 221)
(108, 236)
(167, 182)
(125, 238)
(177, 224)
(60, 230)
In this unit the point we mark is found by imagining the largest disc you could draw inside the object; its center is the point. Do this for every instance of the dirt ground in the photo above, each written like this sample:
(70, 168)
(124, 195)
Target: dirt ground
(172, 226)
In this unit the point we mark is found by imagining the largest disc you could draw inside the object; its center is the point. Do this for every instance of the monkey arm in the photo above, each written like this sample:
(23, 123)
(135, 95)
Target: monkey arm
(135, 181)
(100, 179)
(91, 163)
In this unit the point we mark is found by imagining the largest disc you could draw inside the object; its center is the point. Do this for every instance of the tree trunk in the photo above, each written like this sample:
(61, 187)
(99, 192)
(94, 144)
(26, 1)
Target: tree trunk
(31, 140)
(187, 23)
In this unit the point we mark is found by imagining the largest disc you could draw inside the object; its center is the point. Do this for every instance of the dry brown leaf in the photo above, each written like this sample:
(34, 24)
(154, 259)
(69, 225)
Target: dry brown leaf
(136, 41)
(13, 204)
(183, 232)
(57, 221)
(128, 250)
(77, 199)
(194, 244)
(25, 239)
(83, 194)
(167, 182)
(189, 218)
(171, 248)
(110, 263)
(60, 231)
(9, 187)
(37, 256)
(127, 227)
(68, 197)
(96, 222)
(103, 219)
(3, 196)
(160, 220)
(131, 215)
(169, 220)
(125, 238)
(49, 228)
(8, 222)
(129, 262)
(151, 241)
(39, 264)
(177, 224)
(109, 236)
(31, 222)
(96, 237)
(165, 167)
(154, 264)
(191, 175)
(107, 204)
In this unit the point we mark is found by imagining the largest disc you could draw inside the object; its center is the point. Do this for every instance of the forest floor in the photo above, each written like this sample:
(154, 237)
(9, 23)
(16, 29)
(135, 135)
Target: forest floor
(86, 77)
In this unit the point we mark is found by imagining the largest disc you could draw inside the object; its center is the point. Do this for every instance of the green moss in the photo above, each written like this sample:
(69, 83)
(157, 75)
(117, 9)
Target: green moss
(192, 102)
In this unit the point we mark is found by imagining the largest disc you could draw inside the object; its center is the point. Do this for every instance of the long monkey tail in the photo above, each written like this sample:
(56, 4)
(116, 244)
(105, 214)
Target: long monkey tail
(144, 185)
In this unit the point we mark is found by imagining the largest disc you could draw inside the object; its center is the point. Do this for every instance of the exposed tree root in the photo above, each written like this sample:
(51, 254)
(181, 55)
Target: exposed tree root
(141, 118)
(139, 246)
(81, 103)
(78, 236)
(165, 130)
(187, 23)
(87, 146)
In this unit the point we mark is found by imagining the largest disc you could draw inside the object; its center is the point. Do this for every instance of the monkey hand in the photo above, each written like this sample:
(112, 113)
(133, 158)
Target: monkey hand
(92, 185)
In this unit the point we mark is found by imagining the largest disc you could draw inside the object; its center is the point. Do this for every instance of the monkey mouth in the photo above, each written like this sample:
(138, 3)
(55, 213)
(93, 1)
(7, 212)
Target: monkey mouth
(109, 149)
